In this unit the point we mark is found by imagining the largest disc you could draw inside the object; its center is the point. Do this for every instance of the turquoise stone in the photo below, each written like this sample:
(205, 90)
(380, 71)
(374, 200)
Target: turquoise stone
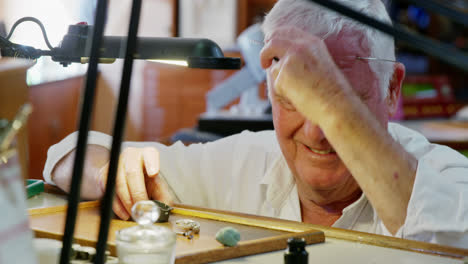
(228, 236)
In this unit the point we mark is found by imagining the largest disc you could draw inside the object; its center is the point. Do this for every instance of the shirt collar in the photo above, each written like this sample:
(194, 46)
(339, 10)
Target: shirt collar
(278, 180)
(279, 183)
(351, 213)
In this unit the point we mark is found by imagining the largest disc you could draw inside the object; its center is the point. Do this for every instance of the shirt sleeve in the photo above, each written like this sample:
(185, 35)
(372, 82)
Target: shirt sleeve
(438, 207)
(58, 151)
(198, 174)
(207, 174)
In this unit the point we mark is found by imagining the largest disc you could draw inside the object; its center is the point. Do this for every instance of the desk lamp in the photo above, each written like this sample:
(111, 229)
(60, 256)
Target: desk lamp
(75, 48)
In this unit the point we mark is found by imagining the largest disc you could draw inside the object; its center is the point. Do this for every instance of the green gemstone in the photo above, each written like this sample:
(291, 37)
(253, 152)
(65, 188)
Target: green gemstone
(228, 236)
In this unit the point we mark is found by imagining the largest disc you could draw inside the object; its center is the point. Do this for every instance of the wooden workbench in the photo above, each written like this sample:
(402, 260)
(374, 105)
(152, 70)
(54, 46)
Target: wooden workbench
(340, 246)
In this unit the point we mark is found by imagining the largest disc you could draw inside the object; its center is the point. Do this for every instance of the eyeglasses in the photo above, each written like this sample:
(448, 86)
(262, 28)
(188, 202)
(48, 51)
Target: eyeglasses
(347, 62)
(371, 59)
(374, 59)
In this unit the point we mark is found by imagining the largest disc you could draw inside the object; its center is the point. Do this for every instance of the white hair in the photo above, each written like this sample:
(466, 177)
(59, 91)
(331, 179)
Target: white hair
(323, 22)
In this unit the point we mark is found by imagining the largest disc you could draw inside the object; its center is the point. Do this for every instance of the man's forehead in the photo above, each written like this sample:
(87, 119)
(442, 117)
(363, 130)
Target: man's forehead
(348, 42)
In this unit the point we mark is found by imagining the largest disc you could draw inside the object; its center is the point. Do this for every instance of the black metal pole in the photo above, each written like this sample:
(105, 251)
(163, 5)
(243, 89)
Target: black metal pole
(86, 110)
(106, 203)
(437, 49)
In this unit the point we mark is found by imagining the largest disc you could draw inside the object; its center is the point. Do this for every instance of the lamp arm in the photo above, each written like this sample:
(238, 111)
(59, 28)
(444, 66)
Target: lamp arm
(10, 49)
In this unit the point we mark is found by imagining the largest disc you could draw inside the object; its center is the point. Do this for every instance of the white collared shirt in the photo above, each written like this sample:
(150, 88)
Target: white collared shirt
(247, 173)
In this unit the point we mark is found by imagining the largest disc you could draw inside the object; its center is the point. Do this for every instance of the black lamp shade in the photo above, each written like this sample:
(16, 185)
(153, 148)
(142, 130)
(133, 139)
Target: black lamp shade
(200, 53)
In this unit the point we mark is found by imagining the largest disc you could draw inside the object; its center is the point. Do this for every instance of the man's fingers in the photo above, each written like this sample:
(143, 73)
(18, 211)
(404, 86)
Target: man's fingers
(276, 47)
(121, 186)
(160, 191)
(119, 209)
(133, 163)
(284, 39)
(273, 50)
(275, 70)
(151, 161)
(102, 177)
(281, 75)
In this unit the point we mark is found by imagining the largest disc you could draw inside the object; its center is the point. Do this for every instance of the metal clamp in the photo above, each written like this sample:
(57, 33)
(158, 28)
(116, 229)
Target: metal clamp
(165, 211)
(8, 131)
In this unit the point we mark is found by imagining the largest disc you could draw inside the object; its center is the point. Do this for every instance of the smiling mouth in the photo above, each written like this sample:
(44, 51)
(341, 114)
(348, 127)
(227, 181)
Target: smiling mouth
(321, 152)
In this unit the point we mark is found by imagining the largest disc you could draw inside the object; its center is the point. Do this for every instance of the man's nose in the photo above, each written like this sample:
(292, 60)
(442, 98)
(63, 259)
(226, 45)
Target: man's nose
(313, 132)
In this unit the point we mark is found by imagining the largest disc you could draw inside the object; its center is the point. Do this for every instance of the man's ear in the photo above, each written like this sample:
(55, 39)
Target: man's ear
(394, 89)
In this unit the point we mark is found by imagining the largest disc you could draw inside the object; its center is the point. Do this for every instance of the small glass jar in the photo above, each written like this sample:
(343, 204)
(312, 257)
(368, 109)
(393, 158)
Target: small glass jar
(145, 243)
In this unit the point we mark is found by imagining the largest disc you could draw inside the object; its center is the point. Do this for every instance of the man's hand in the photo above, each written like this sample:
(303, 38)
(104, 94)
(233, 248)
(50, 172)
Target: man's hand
(303, 72)
(136, 177)
(136, 180)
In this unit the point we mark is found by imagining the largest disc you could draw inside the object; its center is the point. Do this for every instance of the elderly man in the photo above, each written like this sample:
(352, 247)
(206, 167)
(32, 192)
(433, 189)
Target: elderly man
(333, 158)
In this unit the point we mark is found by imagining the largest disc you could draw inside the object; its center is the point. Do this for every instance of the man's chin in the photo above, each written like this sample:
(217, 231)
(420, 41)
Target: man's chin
(324, 187)
(326, 183)
(323, 190)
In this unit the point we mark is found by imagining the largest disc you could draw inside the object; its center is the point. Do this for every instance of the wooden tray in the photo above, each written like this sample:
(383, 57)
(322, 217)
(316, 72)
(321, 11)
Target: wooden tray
(258, 234)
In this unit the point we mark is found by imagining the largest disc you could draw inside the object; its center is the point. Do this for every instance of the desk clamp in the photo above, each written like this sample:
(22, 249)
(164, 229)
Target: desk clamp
(8, 131)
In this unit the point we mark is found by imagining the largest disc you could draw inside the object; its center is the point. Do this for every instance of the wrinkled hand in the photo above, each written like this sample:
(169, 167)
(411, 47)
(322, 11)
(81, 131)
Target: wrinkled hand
(301, 70)
(136, 180)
